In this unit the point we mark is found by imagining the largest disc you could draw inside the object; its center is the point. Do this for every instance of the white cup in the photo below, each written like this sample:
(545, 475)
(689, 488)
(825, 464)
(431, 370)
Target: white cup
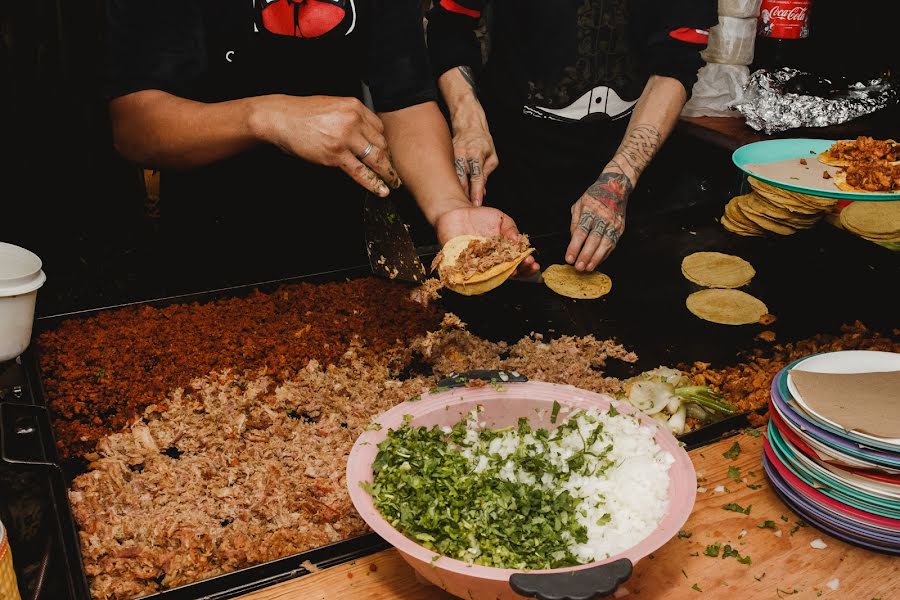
(20, 278)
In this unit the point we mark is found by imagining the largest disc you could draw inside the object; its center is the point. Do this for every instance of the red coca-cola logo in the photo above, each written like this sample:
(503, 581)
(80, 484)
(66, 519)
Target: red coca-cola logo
(785, 19)
(798, 13)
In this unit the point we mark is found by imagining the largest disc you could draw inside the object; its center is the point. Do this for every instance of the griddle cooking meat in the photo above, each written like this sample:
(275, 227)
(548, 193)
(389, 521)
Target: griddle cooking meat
(260, 474)
(242, 467)
(100, 373)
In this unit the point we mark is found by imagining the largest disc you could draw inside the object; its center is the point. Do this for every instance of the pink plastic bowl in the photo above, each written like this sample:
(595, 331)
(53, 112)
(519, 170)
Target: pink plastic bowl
(533, 400)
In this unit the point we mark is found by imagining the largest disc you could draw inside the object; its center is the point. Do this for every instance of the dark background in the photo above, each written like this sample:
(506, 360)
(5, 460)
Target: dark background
(68, 197)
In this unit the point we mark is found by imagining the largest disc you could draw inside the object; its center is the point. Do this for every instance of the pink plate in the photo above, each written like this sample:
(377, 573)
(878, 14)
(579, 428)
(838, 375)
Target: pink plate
(503, 407)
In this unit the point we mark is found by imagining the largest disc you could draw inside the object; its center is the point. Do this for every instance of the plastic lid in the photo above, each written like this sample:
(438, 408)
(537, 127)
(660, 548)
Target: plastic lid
(20, 270)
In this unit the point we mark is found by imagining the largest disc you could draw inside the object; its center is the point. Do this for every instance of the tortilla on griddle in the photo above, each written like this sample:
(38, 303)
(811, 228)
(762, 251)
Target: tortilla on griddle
(726, 307)
(717, 270)
(565, 280)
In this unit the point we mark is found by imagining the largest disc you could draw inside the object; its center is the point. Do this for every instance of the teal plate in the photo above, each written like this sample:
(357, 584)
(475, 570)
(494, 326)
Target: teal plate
(768, 151)
(830, 486)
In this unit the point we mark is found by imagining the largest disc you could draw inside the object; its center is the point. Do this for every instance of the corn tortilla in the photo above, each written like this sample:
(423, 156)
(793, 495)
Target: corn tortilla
(872, 219)
(726, 307)
(717, 270)
(455, 246)
(482, 287)
(566, 281)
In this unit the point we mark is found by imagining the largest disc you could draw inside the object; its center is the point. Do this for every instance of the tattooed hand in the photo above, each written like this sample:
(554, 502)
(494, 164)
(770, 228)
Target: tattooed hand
(598, 220)
(473, 147)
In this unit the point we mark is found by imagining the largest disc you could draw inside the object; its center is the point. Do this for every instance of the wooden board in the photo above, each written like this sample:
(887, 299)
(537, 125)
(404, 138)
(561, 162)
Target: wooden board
(779, 566)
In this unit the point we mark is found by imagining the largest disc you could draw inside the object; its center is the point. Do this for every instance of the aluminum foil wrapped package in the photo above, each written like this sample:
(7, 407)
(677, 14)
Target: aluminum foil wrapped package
(787, 99)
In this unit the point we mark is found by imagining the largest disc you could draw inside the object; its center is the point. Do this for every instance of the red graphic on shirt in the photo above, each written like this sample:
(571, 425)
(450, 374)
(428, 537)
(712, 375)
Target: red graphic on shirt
(302, 18)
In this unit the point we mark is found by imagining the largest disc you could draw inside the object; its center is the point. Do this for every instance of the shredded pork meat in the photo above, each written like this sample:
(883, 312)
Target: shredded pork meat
(482, 254)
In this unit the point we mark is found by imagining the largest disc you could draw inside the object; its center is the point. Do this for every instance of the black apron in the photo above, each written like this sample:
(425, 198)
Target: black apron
(544, 57)
(263, 213)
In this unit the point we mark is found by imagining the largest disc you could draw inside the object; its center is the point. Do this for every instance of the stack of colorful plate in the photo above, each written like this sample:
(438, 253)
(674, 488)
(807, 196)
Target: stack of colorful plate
(838, 477)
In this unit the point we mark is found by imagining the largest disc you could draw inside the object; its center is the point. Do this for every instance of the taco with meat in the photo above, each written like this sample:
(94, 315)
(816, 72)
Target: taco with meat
(471, 265)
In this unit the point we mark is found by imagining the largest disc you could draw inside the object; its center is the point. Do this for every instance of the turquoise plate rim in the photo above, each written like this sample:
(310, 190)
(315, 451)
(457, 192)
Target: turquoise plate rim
(782, 149)
(834, 487)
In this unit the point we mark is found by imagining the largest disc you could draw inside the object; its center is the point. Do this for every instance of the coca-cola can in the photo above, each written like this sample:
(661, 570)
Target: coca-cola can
(9, 587)
(784, 19)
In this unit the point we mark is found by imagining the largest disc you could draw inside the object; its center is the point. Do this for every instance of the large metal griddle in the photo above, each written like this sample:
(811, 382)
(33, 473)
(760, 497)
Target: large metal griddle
(813, 282)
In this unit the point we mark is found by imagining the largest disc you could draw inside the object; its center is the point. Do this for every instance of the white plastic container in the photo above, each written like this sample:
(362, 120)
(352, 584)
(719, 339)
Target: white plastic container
(731, 42)
(20, 278)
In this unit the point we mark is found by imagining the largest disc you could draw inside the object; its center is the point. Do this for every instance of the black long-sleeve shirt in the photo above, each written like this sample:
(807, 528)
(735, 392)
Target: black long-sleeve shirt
(565, 59)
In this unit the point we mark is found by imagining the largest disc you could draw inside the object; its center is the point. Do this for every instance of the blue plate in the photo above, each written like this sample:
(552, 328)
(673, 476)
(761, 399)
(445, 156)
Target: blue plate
(768, 151)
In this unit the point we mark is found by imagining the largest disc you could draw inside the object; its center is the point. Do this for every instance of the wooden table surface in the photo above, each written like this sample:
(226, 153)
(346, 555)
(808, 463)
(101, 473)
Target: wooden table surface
(779, 566)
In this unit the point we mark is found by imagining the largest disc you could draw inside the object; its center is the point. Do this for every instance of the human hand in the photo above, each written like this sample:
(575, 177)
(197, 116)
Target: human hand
(484, 221)
(475, 157)
(598, 220)
(332, 131)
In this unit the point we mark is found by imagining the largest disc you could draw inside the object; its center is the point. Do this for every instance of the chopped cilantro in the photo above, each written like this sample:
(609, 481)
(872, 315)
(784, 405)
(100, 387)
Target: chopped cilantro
(683, 535)
(738, 508)
(753, 432)
(696, 588)
(416, 398)
(767, 525)
(744, 560)
(734, 473)
(733, 452)
(612, 411)
(818, 593)
(373, 427)
(798, 525)
(439, 388)
(784, 518)
(555, 412)
(728, 552)
(713, 549)
(754, 486)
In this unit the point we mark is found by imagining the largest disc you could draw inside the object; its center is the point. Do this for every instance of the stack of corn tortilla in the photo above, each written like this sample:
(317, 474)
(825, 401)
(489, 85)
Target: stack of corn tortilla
(877, 222)
(768, 209)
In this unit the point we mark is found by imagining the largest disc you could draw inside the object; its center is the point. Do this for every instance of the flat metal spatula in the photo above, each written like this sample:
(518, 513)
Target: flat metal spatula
(392, 253)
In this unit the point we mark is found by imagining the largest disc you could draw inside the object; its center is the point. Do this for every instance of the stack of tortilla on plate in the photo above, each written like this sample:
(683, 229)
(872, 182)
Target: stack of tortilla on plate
(768, 209)
(877, 222)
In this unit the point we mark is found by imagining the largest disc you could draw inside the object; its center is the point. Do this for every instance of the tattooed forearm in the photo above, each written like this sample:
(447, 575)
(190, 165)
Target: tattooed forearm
(638, 148)
(612, 190)
(468, 75)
